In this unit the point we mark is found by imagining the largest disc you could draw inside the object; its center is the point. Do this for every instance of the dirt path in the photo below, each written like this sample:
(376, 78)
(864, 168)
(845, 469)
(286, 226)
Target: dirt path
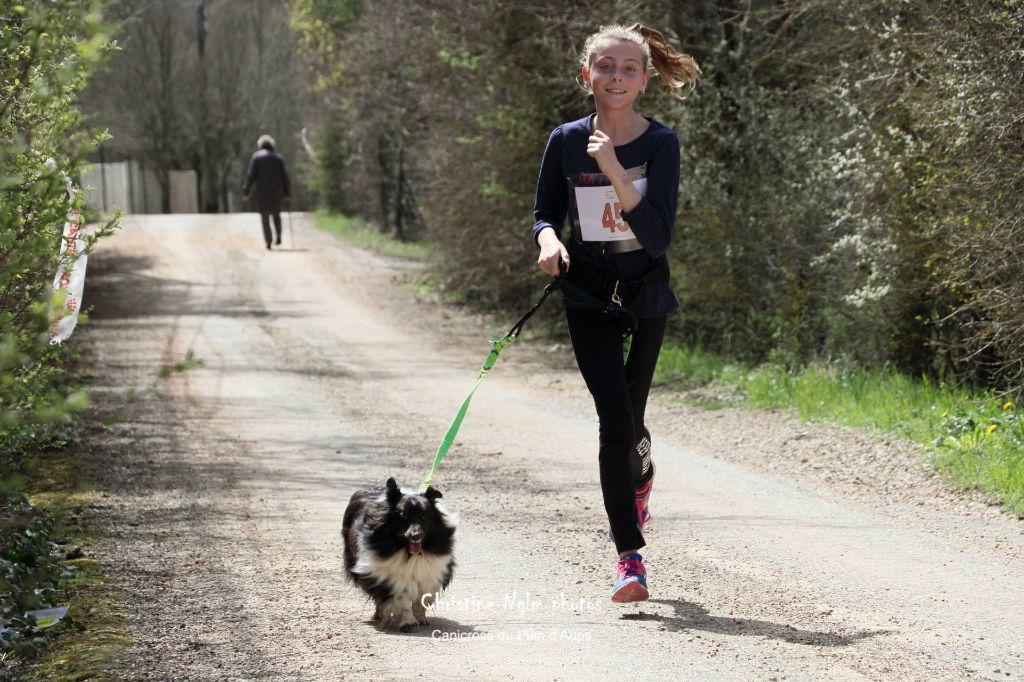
(226, 485)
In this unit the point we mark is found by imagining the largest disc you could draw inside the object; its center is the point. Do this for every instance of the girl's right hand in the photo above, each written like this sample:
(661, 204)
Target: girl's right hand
(552, 252)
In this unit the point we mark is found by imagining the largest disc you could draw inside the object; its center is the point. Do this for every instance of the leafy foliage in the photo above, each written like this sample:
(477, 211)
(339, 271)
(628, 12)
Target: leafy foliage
(851, 183)
(31, 570)
(48, 51)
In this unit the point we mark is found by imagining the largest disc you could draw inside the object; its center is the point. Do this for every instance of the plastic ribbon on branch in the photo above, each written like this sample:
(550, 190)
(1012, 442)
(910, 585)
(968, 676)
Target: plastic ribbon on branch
(70, 278)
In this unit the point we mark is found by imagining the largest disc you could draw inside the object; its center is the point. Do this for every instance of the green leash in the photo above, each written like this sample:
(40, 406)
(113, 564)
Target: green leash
(492, 357)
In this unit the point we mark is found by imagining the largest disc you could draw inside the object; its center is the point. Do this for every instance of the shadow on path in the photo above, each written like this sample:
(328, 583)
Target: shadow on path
(689, 616)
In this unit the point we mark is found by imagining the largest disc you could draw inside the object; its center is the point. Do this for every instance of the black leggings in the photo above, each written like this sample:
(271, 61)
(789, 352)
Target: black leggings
(620, 396)
(265, 219)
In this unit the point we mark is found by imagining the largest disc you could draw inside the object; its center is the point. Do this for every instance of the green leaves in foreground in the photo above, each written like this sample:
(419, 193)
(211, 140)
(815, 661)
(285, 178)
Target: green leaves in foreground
(49, 51)
(37, 404)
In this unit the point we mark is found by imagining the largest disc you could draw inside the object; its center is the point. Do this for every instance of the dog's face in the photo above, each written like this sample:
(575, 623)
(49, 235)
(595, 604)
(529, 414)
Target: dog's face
(415, 522)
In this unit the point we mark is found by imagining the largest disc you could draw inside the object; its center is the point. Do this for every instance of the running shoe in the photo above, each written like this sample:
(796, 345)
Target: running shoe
(632, 581)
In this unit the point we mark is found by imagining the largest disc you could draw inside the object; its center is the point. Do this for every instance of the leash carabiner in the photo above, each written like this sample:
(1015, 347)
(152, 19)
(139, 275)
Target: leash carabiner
(616, 299)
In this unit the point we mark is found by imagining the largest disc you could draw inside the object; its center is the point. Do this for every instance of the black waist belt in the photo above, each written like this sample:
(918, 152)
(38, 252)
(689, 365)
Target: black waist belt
(606, 287)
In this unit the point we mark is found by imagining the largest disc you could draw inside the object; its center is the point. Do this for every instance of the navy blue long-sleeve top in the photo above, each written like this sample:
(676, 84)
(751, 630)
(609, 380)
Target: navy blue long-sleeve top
(654, 155)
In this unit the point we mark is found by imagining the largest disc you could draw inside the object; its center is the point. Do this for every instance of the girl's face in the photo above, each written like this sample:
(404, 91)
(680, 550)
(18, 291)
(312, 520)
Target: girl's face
(616, 74)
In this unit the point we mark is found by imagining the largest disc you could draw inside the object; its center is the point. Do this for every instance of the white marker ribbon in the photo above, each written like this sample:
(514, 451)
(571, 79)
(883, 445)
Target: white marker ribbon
(70, 276)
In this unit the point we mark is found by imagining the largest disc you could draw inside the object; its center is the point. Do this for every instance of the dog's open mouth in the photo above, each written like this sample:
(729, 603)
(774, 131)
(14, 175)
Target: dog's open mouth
(415, 547)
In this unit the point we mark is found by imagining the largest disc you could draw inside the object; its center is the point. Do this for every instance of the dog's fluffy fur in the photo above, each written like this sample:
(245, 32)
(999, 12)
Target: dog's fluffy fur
(398, 548)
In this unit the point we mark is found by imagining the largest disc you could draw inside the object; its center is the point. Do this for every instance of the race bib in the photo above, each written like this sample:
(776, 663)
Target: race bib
(599, 211)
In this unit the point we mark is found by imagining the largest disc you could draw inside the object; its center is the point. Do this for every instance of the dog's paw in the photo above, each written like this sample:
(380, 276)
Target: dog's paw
(396, 615)
(396, 625)
(389, 624)
(419, 608)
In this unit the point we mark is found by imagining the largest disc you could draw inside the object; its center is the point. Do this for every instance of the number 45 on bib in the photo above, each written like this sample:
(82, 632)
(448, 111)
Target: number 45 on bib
(600, 213)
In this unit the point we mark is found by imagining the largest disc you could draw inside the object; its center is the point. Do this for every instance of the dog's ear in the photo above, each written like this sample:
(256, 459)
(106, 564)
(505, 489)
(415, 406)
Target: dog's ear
(394, 495)
(432, 493)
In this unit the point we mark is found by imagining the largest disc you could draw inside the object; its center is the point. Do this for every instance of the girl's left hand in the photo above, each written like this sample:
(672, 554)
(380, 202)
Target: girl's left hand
(602, 150)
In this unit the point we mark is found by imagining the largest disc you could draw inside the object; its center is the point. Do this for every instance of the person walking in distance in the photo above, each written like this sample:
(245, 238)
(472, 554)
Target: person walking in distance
(615, 175)
(268, 173)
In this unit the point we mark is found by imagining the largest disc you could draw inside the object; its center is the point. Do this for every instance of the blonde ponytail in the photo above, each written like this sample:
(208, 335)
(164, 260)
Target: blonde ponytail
(676, 69)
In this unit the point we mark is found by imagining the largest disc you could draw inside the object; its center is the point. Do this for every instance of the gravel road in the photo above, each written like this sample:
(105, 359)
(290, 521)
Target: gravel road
(778, 550)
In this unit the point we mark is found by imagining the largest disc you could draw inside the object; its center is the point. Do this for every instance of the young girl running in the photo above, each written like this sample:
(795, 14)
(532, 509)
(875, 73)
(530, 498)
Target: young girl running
(615, 174)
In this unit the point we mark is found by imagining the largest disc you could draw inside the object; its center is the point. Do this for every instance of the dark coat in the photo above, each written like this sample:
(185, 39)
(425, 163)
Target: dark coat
(267, 171)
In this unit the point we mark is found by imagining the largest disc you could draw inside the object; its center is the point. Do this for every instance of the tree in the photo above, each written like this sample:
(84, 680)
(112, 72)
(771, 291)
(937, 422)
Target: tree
(47, 51)
(850, 179)
(195, 85)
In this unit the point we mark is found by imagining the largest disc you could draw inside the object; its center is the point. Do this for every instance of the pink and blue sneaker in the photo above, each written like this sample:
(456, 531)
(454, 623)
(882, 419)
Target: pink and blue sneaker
(632, 582)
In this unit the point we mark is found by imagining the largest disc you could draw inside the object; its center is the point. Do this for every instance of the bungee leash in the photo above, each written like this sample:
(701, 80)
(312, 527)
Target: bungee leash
(492, 357)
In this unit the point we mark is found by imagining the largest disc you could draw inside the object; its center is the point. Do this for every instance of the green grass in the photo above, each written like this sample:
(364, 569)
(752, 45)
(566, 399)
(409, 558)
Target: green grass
(89, 651)
(93, 636)
(360, 233)
(687, 367)
(975, 438)
(190, 362)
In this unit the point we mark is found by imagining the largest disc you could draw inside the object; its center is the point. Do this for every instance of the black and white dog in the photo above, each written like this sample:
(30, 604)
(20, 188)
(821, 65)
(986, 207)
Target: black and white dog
(398, 549)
